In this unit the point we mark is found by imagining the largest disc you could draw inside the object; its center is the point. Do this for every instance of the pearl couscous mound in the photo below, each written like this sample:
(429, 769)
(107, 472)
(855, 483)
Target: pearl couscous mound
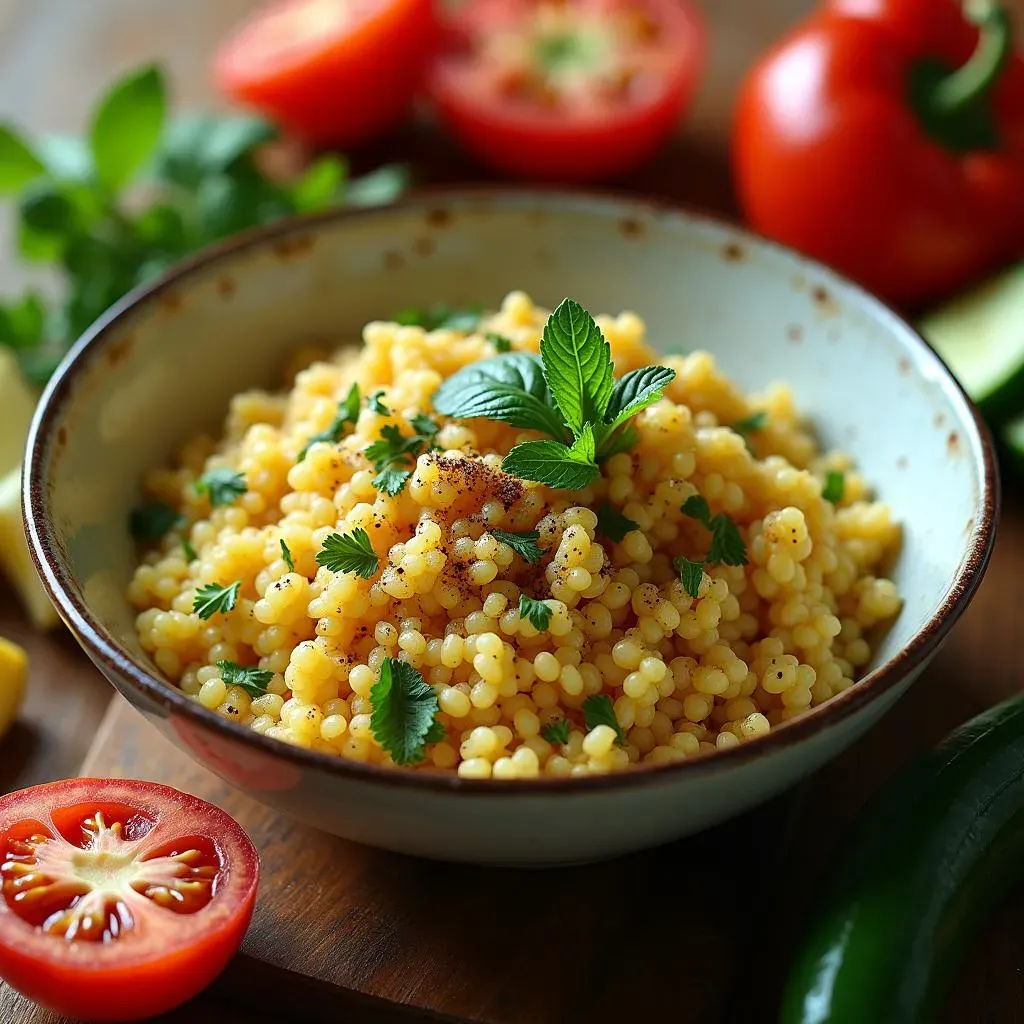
(760, 644)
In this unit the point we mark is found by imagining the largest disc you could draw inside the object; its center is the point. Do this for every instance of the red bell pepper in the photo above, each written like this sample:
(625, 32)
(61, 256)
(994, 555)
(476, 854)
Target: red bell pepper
(886, 138)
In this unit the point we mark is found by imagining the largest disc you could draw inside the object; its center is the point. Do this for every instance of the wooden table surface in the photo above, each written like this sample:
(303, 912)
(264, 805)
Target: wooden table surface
(57, 55)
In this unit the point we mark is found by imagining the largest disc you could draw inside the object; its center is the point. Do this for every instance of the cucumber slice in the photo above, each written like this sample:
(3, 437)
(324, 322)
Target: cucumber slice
(980, 335)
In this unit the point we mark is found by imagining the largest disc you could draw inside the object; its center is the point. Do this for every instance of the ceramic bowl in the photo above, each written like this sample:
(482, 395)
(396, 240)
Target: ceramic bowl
(165, 362)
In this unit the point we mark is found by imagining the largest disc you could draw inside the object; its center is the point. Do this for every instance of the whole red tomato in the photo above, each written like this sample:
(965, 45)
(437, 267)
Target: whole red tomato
(886, 138)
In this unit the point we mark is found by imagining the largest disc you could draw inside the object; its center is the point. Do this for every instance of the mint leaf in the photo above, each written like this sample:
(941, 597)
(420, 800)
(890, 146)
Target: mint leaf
(835, 486)
(222, 486)
(577, 365)
(253, 681)
(151, 521)
(18, 164)
(613, 524)
(379, 187)
(321, 185)
(509, 388)
(583, 449)
(551, 463)
(752, 423)
(287, 556)
(557, 732)
(127, 125)
(214, 598)
(198, 145)
(499, 341)
(349, 552)
(622, 439)
(348, 413)
(599, 710)
(691, 573)
(537, 612)
(636, 391)
(404, 707)
(523, 544)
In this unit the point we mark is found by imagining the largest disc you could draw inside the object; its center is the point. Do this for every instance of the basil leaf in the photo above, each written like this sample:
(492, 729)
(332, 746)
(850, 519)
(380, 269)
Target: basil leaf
(320, 186)
(198, 145)
(379, 187)
(66, 157)
(635, 391)
(18, 164)
(551, 463)
(577, 364)
(47, 210)
(127, 125)
(509, 388)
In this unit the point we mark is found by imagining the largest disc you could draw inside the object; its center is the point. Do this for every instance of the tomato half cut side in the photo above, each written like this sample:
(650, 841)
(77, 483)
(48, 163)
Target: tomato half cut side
(573, 91)
(120, 899)
(333, 72)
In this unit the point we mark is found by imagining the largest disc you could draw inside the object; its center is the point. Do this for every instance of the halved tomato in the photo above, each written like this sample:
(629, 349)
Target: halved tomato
(121, 899)
(333, 72)
(566, 90)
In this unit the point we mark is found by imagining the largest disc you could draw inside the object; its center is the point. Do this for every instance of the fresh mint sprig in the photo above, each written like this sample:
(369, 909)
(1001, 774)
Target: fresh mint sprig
(569, 393)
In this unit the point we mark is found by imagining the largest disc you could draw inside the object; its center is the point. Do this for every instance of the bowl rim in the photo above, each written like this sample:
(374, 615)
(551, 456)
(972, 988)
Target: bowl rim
(104, 649)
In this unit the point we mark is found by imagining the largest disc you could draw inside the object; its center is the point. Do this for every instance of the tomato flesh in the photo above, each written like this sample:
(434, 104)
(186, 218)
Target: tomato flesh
(574, 91)
(333, 72)
(121, 899)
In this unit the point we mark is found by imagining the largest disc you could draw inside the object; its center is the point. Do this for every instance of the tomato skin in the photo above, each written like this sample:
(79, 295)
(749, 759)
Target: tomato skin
(338, 88)
(149, 973)
(830, 158)
(562, 147)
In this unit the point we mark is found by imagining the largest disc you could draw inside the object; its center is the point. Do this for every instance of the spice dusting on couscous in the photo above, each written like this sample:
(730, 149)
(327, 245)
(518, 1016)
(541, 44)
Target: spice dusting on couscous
(507, 546)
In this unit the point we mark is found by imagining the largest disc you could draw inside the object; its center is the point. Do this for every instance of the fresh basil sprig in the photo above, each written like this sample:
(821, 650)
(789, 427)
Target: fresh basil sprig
(78, 208)
(569, 393)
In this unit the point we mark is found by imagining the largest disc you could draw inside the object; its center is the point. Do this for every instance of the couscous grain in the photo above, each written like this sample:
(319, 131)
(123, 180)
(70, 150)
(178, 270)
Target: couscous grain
(760, 642)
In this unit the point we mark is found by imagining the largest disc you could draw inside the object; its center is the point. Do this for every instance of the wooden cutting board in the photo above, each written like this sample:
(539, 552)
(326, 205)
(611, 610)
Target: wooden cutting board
(350, 933)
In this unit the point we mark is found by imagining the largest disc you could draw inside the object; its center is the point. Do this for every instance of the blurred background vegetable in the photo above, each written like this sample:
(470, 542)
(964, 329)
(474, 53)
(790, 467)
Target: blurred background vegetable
(887, 140)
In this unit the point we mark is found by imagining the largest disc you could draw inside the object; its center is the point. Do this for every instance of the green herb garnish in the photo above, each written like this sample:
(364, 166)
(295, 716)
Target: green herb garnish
(253, 680)
(727, 547)
(569, 393)
(613, 524)
(79, 209)
(394, 454)
(499, 341)
(348, 413)
(287, 556)
(349, 552)
(537, 612)
(599, 710)
(222, 486)
(214, 598)
(835, 486)
(523, 544)
(557, 731)
(451, 318)
(752, 423)
(189, 551)
(374, 404)
(151, 521)
(404, 707)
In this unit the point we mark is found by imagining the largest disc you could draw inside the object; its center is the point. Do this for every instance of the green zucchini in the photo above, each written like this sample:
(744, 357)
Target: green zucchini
(980, 335)
(912, 885)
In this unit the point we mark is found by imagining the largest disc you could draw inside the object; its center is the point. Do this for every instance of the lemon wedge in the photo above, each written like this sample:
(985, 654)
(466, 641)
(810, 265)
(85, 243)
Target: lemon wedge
(13, 676)
(17, 403)
(14, 557)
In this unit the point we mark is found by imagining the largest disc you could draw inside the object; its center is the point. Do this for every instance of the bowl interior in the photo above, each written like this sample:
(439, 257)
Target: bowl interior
(166, 366)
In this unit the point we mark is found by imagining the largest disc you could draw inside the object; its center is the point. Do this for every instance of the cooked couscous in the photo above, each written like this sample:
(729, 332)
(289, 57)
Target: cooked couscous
(350, 569)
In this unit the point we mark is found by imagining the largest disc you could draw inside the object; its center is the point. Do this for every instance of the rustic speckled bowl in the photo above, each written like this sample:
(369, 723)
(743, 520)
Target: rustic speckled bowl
(164, 363)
